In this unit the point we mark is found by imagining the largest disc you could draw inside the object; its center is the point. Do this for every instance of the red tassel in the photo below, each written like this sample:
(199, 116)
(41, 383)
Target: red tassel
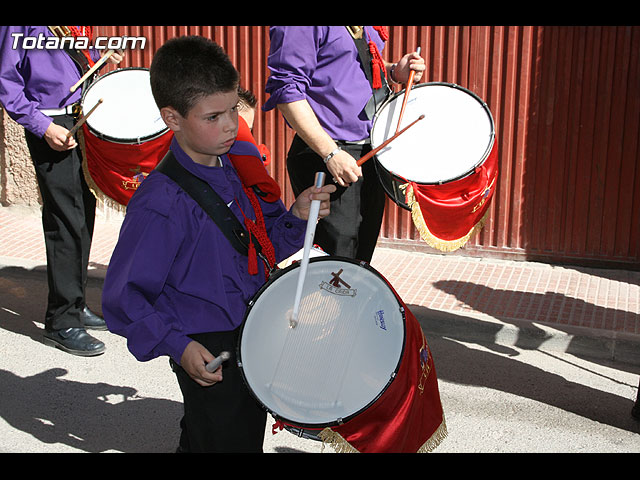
(377, 65)
(259, 230)
(253, 259)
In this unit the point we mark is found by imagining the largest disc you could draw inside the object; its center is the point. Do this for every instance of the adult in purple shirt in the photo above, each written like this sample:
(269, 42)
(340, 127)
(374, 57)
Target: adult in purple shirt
(35, 91)
(175, 285)
(327, 81)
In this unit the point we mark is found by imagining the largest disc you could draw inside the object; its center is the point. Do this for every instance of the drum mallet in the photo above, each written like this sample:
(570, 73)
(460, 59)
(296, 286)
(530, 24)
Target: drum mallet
(314, 210)
(407, 89)
(82, 120)
(213, 365)
(387, 141)
(96, 66)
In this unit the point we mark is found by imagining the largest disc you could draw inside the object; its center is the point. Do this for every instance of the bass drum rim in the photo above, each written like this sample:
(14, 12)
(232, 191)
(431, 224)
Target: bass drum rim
(303, 429)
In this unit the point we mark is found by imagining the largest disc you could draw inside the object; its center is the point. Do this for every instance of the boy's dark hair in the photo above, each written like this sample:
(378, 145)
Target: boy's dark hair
(185, 69)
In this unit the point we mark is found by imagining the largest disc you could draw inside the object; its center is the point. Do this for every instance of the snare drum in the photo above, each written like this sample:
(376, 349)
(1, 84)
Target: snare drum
(125, 137)
(355, 371)
(444, 168)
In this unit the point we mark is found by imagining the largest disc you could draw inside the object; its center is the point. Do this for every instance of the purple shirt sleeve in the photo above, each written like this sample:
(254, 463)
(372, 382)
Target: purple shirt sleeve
(33, 79)
(135, 280)
(321, 64)
(173, 273)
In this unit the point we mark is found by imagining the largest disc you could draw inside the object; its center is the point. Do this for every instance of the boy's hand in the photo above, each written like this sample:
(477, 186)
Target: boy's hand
(303, 203)
(194, 361)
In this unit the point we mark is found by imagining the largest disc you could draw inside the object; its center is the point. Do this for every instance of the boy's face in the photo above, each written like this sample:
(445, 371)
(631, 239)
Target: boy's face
(209, 129)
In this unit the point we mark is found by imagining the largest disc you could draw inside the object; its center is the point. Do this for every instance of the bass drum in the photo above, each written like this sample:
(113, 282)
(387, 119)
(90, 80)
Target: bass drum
(342, 371)
(125, 137)
(444, 168)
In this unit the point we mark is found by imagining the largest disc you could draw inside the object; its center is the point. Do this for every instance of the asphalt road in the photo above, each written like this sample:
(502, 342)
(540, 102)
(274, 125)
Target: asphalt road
(499, 394)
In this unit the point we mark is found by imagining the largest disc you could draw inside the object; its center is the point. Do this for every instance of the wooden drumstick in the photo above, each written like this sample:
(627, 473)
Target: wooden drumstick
(82, 120)
(308, 241)
(388, 141)
(412, 74)
(96, 66)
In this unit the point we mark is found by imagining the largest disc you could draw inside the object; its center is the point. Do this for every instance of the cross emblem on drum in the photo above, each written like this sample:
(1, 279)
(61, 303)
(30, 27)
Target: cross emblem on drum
(337, 281)
(338, 286)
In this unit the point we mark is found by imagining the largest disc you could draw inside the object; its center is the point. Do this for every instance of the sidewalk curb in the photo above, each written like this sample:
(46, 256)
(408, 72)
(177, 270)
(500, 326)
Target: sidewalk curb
(483, 329)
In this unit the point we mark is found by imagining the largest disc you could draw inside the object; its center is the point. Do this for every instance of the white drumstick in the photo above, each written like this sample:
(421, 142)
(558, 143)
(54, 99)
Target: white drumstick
(213, 365)
(308, 242)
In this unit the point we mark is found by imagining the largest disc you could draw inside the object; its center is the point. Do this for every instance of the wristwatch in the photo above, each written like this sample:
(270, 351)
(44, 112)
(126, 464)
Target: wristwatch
(332, 154)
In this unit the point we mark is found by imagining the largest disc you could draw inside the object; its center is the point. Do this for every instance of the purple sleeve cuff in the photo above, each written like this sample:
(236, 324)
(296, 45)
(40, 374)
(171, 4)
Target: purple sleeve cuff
(282, 93)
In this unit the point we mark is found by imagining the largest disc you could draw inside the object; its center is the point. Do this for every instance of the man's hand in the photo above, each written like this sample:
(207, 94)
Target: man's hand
(56, 137)
(411, 61)
(116, 57)
(344, 169)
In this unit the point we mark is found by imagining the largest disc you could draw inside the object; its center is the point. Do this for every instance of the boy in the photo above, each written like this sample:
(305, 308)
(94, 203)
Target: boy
(175, 285)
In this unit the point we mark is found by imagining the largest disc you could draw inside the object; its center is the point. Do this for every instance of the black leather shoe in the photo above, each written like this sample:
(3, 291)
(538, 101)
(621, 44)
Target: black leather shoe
(91, 321)
(75, 341)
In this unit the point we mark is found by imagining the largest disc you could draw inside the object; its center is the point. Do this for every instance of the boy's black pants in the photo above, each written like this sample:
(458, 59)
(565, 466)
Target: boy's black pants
(225, 417)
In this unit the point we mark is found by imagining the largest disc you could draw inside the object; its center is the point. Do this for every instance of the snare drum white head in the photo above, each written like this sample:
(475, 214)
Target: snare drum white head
(340, 356)
(128, 112)
(454, 137)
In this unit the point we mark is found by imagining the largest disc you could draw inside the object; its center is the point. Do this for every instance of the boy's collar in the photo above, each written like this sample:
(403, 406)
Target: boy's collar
(184, 158)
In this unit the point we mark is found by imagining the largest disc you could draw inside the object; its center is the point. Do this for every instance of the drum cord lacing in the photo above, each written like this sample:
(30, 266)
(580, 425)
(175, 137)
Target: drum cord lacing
(259, 230)
(83, 32)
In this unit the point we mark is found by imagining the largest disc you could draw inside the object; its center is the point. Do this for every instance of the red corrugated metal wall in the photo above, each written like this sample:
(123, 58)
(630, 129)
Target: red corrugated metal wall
(566, 104)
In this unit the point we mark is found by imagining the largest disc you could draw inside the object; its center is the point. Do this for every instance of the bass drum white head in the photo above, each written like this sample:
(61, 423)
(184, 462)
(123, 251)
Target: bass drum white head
(128, 113)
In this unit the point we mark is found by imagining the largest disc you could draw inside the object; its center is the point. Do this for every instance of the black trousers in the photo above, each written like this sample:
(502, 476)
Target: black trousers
(224, 417)
(352, 228)
(68, 214)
